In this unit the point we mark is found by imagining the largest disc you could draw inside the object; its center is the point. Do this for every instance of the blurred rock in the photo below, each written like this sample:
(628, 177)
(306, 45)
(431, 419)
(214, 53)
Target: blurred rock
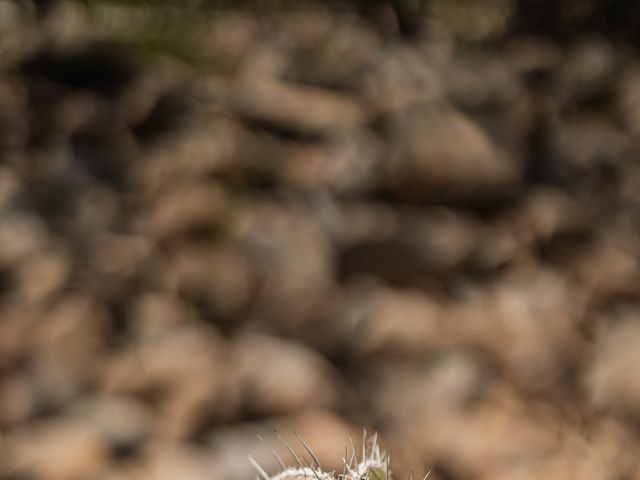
(549, 213)
(629, 99)
(299, 109)
(68, 350)
(611, 387)
(348, 223)
(331, 53)
(449, 382)
(400, 323)
(122, 422)
(66, 25)
(153, 314)
(17, 399)
(589, 70)
(440, 154)
(547, 220)
(120, 255)
(186, 208)
(589, 146)
(401, 78)
(178, 371)
(166, 462)
(43, 275)
(57, 449)
(13, 101)
(522, 312)
(422, 246)
(15, 332)
(497, 436)
(346, 164)
(232, 38)
(291, 256)
(473, 21)
(219, 279)
(609, 269)
(9, 189)
(476, 81)
(206, 148)
(279, 377)
(21, 235)
(534, 58)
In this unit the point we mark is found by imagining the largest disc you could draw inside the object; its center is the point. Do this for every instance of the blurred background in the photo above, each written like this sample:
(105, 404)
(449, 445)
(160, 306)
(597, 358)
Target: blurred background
(219, 218)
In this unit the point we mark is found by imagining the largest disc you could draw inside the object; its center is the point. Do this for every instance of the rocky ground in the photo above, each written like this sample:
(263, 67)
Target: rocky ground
(217, 221)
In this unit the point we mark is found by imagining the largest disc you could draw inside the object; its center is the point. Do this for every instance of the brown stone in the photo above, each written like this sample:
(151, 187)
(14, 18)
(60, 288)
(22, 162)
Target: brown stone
(58, 449)
(440, 154)
(301, 109)
(277, 376)
(185, 208)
